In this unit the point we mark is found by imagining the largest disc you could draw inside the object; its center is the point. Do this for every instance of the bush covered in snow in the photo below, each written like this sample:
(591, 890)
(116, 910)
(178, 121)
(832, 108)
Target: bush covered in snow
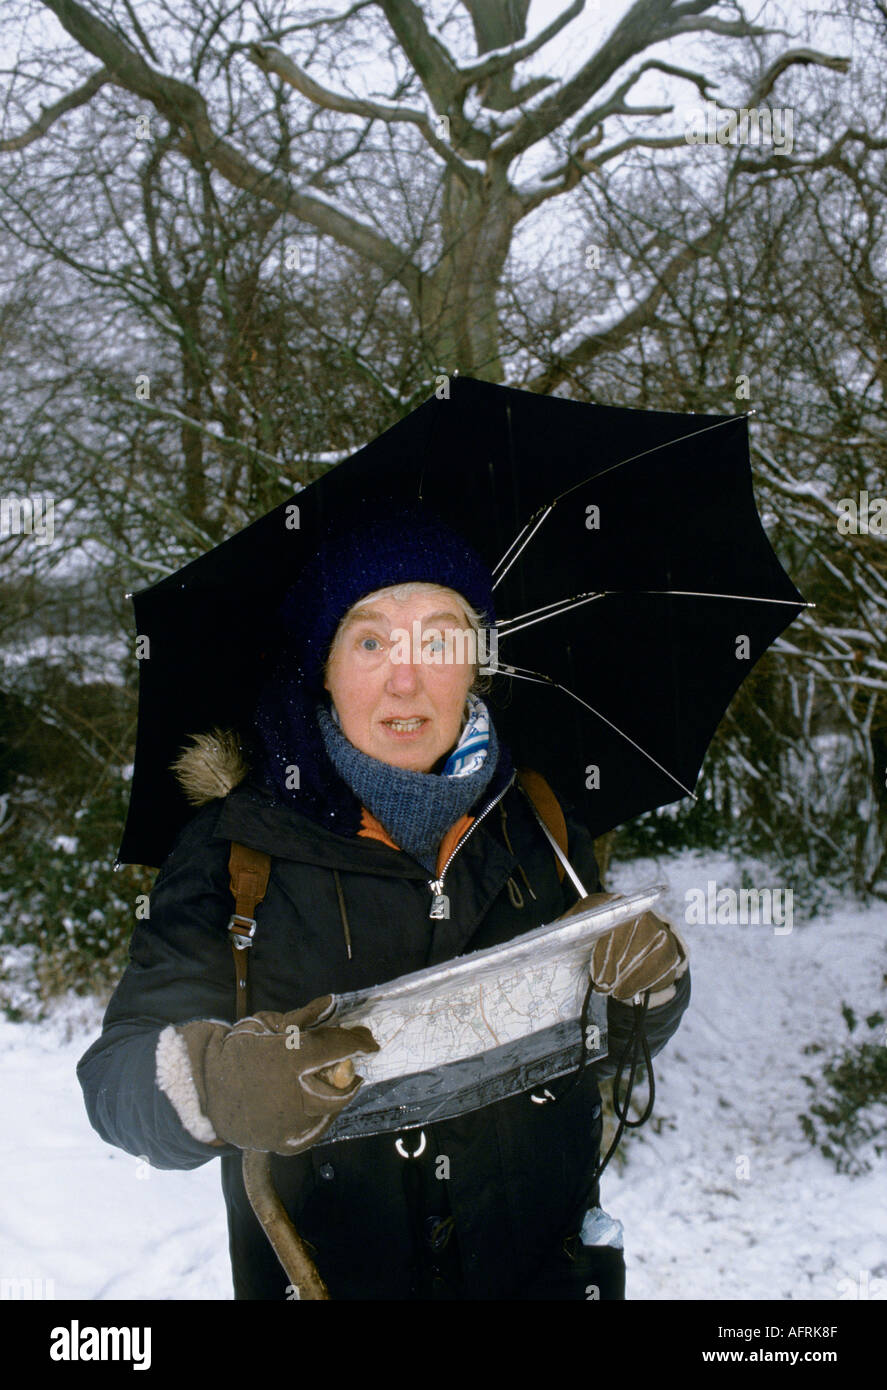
(847, 1118)
(802, 803)
(67, 915)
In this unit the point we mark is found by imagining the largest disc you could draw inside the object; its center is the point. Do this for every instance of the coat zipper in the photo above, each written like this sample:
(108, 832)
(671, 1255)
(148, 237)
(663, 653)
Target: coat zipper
(439, 906)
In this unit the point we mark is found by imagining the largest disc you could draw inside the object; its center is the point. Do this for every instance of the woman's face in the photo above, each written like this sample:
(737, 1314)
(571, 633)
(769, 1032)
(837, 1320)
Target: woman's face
(399, 677)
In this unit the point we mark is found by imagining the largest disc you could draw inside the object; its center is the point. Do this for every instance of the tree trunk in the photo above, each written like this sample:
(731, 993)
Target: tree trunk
(459, 314)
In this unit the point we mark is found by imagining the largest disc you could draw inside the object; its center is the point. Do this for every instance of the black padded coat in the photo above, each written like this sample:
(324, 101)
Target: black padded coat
(499, 1219)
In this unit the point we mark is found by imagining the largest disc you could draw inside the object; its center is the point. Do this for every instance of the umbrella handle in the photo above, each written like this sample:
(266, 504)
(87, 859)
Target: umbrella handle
(285, 1240)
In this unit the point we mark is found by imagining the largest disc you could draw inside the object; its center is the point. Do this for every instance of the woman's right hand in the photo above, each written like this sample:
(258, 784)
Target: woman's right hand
(273, 1082)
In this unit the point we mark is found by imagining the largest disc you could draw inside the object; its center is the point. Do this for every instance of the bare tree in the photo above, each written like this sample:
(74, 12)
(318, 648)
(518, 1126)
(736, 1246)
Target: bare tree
(783, 315)
(294, 254)
(499, 140)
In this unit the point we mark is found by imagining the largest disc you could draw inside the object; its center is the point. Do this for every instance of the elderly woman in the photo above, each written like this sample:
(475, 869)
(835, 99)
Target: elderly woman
(398, 839)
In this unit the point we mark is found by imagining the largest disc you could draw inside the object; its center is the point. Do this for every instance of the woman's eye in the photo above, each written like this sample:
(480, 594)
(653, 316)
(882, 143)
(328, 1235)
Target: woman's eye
(371, 644)
(437, 644)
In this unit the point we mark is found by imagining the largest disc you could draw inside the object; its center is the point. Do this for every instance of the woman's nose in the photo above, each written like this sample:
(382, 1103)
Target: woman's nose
(404, 677)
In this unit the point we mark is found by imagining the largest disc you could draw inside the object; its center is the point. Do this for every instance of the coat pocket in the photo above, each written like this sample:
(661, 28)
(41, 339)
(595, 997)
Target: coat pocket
(589, 1272)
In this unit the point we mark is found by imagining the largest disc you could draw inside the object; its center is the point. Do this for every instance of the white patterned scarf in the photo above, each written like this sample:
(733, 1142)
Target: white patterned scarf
(471, 750)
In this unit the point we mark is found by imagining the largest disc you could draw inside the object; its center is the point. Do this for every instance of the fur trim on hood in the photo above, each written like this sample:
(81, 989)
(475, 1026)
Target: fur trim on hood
(215, 763)
(211, 767)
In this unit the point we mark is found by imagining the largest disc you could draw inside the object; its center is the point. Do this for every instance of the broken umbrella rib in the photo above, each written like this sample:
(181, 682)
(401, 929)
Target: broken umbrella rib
(522, 674)
(501, 568)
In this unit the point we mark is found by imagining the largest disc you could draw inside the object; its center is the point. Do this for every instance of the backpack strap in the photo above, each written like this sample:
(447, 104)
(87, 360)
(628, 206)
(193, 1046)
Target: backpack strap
(547, 810)
(249, 870)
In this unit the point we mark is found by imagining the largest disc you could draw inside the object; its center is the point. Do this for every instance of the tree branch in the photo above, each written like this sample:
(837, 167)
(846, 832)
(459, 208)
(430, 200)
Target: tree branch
(501, 59)
(785, 164)
(432, 62)
(324, 19)
(565, 176)
(184, 107)
(578, 165)
(790, 58)
(50, 114)
(691, 7)
(272, 464)
(437, 71)
(631, 36)
(527, 91)
(615, 105)
(270, 58)
(640, 315)
(730, 28)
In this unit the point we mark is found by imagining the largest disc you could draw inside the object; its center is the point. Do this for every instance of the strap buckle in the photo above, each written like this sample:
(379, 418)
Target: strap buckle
(241, 931)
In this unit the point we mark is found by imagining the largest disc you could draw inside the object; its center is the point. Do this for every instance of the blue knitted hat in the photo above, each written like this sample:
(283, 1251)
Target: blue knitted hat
(394, 545)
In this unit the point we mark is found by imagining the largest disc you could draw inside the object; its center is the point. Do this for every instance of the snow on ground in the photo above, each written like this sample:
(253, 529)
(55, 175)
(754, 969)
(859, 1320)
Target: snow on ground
(97, 1222)
(729, 1085)
(101, 1224)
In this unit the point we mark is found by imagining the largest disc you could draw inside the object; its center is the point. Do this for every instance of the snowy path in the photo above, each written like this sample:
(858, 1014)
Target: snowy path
(730, 1084)
(101, 1224)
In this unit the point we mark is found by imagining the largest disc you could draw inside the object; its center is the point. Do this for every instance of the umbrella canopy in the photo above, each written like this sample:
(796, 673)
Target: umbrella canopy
(645, 519)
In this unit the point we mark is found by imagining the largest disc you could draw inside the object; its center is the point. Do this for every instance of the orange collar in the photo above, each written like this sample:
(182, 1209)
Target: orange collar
(374, 830)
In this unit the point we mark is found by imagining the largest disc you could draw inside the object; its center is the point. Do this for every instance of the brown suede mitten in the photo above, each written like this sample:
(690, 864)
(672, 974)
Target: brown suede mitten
(258, 1085)
(646, 953)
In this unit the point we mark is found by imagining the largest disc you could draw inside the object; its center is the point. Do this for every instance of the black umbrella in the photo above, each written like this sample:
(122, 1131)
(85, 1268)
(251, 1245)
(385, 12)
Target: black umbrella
(636, 588)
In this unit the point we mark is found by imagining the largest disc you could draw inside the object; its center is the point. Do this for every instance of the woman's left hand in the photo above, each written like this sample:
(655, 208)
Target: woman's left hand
(646, 953)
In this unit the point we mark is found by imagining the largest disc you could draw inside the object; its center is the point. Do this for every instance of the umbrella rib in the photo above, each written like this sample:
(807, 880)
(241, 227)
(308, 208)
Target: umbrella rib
(730, 420)
(701, 593)
(507, 626)
(538, 678)
(541, 515)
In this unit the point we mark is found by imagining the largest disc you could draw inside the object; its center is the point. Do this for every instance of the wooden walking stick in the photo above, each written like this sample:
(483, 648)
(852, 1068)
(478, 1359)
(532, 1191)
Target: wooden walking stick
(286, 1242)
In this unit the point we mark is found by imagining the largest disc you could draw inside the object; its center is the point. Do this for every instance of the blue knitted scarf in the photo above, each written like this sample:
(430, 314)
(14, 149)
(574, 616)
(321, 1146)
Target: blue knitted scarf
(416, 808)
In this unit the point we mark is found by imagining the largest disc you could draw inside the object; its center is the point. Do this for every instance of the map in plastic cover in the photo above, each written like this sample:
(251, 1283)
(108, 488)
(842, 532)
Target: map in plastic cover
(486, 1025)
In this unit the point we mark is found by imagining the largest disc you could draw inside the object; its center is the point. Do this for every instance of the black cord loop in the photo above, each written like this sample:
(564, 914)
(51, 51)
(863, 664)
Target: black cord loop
(638, 1045)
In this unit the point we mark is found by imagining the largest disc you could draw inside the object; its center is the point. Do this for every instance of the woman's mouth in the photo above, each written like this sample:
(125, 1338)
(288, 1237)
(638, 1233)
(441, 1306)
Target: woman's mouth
(404, 726)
